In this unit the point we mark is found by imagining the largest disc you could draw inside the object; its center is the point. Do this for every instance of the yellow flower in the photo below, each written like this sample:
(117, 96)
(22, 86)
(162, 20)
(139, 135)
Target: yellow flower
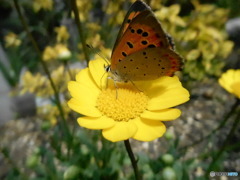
(50, 112)
(49, 53)
(42, 4)
(125, 112)
(59, 51)
(63, 52)
(36, 83)
(11, 40)
(83, 8)
(62, 33)
(230, 81)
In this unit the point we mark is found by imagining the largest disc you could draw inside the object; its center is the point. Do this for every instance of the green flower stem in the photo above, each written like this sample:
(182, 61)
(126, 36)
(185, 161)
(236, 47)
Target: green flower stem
(225, 143)
(65, 63)
(56, 94)
(80, 29)
(223, 122)
(132, 158)
(204, 156)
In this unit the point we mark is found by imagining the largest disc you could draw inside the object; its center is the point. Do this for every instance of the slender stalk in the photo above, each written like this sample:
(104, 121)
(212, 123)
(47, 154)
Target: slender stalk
(56, 94)
(223, 122)
(65, 63)
(225, 143)
(133, 160)
(80, 29)
(204, 156)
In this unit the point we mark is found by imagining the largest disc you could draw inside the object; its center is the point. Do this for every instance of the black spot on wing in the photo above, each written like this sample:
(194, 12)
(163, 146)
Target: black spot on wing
(130, 45)
(145, 34)
(139, 31)
(151, 46)
(144, 42)
(124, 54)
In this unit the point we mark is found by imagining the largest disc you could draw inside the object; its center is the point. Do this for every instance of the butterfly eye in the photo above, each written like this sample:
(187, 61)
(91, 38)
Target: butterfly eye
(107, 68)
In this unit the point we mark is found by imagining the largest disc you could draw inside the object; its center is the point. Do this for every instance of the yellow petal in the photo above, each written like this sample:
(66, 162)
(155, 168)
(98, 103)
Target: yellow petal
(236, 76)
(228, 78)
(121, 131)
(169, 82)
(102, 122)
(162, 115)
(236, 89)
(148, 130)
(168, 98)
(156, 87)
(83, 109)
(98, 73)
(82, 93)
(85, 78)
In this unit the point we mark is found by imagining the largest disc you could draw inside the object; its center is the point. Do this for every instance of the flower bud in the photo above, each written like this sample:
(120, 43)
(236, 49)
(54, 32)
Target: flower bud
(32, 161)
(72, 172)
(167, 159)
(169, 174)
(169, 135)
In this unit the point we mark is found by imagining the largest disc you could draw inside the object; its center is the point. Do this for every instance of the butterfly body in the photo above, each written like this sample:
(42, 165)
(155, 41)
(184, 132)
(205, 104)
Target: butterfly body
(143, 51)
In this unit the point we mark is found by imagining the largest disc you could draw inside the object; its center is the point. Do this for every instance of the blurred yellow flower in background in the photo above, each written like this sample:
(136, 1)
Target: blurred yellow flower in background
(12, 40)
(36, 84)
(171, 14)
(230, 81)
(49, 53)
(133, 113)
(62, 34)
(63, 53)
(42, 4)
(50, 112)
(39, 84)
(59, 51)
(84, 7)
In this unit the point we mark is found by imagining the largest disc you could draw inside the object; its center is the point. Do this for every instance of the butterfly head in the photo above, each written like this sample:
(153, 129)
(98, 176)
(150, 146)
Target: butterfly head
(114, 75)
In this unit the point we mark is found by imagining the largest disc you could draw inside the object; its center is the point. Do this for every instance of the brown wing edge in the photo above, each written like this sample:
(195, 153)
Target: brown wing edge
(137, 6)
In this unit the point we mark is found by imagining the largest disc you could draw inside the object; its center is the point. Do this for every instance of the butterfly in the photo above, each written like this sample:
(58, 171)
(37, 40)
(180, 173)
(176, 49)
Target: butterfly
(142, 51)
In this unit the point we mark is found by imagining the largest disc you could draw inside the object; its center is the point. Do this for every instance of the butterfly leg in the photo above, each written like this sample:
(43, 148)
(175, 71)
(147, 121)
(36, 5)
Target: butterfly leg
(115, 84)
(135, 86)
(101, 81)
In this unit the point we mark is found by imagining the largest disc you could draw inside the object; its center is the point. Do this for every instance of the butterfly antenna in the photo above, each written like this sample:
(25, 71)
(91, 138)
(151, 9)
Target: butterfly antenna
(96, 52)
(101, 81)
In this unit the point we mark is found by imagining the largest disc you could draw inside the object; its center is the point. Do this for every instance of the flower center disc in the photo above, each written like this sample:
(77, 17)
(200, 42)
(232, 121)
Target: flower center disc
(122, 104)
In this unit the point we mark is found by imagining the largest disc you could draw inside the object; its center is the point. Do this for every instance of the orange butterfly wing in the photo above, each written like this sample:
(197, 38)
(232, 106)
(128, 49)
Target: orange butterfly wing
(142, 31)
(134, 10)
(148, 64)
